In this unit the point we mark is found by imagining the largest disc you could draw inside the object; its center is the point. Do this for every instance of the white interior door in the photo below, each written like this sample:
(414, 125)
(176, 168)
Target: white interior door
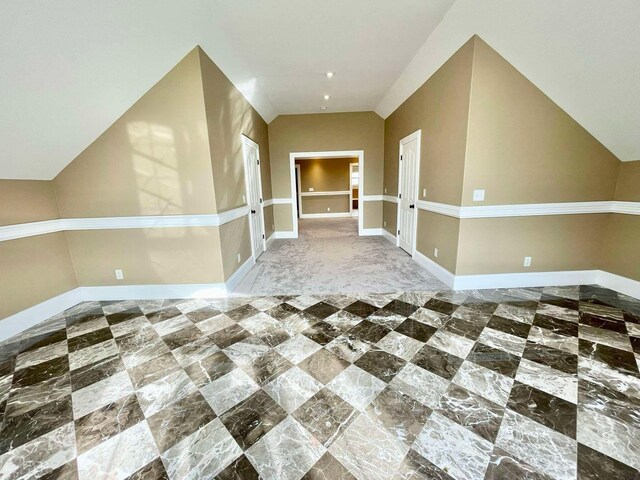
(408, 191)
(253, 180)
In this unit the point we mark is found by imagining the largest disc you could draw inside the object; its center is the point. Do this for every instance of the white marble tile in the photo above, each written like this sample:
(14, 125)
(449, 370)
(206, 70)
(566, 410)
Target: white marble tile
(456, 450)
(118, 306)
(195, 351)
(192, 305)
(259, 322)
(555, 382)
(101, 393)
(42, 354)
(503, 341)
(605, 337)
(429, 317)
(265, 303)
(93, 353)
(120, 456)
(162, 393)
(40, 455)
(120, 329)
(515, 312)
(172, 325)
(286, 452)
(602, 374)
(215, 324)
(229, 390)
(368, 450)
(244, 352)
(297, 348)
(550, 339)
(633, 329)
(202, 454)
(541, 447)
(486, 383)
(80, 328)
(343, 320)
(400, 345)
(356, 387)
(562, 313)
(420, 384)
(609, 436)
(293, 388)
(303, 302)
(451, 343)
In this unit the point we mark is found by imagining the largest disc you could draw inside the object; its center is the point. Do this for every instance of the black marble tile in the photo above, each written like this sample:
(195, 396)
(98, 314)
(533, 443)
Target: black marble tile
(164, 314)
(617, 359)
(328, 468)
(182, 337)
(88, 339)
(19, 430)
(323, 365)
(151, 471)
(267, 367)
(361, 309)
(53, 368)
(544, 408)
(23, 399)
(441, 306)
(512, 327)
(369, 331)
(240, 313)
(155, 369)
(416, 467)
(201, 314)
(494, 359)
(90, 374)
(615, 404)
(599, 322)
(123, 316)
(107, 422)
(400, 414)
(380, 364)
(68, 471)
(472, 411)
(179, 420)
(87, 316)
(321, 310)
(209, 369)
(228, 336)
(401, 308)
(463, 328)
(593, 465)
(253, 418)
(504, 466)
(322, 332)
(273, 336)
(282, 311)
(555, 325)
(559, 301)
(635, 344)
(325, 416)
(416, 330)
(552, 357)
(44, 340)
(239, 469)
(436, 361)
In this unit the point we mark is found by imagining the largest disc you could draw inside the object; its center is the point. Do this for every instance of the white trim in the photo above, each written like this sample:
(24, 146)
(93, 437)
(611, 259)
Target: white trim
(441, 208)
(371, 198)
(285, 234)
(618, 283)
(326, 215)
(441, 273)
(370, 232)
(268, 202)
(389, 236)
(327, 154)
(271, 238)
(234, 280)
(389, 198)
(324, 194)
(248, 143)
(282, 201)
(417, 136)
(629, 208)
(357, 212)
(299, 185)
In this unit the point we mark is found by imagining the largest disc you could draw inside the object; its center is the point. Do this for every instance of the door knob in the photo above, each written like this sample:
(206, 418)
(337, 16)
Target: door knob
(412, 206)
(253, 211)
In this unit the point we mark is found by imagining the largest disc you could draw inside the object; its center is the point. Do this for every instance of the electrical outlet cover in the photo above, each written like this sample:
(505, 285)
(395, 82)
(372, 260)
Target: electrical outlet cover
(478, 195)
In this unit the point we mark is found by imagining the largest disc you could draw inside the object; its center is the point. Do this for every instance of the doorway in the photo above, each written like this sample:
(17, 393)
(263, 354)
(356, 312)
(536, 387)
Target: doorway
(354, 184)
(253, 184)
(408, 173)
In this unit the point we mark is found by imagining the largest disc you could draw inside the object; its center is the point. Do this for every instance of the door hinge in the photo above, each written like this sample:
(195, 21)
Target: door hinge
(399, 195)
(258, 162)
(260, 200)
(400, 157)
(263, 236)
(398, 232)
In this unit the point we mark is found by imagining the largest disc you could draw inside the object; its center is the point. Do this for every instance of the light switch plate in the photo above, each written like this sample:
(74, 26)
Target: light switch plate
(478, 195)
(527, 261)
(119, 275)
(435, 252)
(424, 193)
(385, 190)
(311, 189)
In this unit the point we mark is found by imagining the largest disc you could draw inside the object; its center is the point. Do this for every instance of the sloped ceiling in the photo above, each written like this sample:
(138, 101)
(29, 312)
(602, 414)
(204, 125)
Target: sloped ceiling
(69, 68)
(583, 54)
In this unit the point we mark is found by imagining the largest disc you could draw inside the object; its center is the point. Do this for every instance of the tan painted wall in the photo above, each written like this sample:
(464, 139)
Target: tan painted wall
(282, 218)
(32, 270)
(268, 220)
(441, 232)
(439, 108)
(336, 204)
(372, 213)
(24, 201)
(325, 174)
(628, 189)
(235, 238)
(390, 215)
(154, 160)
(325, 132)
(620, 253)
(154, 256)
(523, 148)
(555, 243)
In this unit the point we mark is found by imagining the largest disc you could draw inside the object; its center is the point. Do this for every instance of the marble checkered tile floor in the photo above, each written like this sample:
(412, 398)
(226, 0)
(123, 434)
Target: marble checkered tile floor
(504, 384)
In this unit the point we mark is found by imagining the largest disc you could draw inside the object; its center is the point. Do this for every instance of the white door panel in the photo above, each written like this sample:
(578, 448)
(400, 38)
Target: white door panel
(407, 192)
(254, 195)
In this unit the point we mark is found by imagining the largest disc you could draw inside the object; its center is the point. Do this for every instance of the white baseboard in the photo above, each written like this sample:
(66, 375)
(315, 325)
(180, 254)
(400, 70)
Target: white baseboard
(285, 234)
(441, 273)
(618, 283)
(369, 232)
(326, 215)
(389, 236)
(20, 321)
(270, 239)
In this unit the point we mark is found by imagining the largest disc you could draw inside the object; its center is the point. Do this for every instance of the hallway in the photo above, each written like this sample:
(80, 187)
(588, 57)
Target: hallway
(330, 257)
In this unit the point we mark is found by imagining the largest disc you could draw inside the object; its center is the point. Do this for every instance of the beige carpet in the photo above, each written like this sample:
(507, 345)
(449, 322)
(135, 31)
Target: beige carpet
(330, 257)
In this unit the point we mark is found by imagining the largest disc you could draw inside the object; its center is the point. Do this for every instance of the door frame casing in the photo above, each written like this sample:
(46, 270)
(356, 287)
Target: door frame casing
(417, 135)
(246, 141)
(325, 154)
(351, 165)
(299, 180)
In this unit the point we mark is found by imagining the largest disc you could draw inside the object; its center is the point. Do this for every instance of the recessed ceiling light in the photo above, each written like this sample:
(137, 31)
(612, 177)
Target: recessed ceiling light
(329, 74)
(326, 97)
(323, 108)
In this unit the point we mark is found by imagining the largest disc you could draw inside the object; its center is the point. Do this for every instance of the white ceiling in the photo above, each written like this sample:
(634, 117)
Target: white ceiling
(70, 68)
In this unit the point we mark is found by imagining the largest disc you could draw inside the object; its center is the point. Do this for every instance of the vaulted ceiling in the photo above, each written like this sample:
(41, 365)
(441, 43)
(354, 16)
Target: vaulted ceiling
(70, 68)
